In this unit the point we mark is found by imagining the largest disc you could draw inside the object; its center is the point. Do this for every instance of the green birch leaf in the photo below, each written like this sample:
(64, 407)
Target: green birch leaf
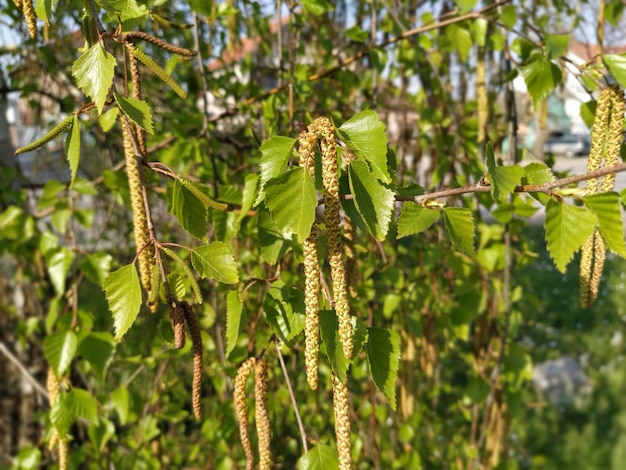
(460, 226)
(234, 311)
(215, 261)
(247, 197)
(137, 111)
(364, 134)
(43, 8)
(93, 72)
(123, 293)
(383, 356)
(320, 457)
(189, 210)
(567, 228)
(108, 119)
(541, 77)
(616, 64)
(374, 201)
(415, 219)
(58, 262)
(96, 266)
(537, 173)
(329, 326)
(202, 193)
(59, 349)
(317, 7)
(461, 39)
(98, 348)
(275, 153)
(606, 207)
(272, 243)
(60, 416)
(284, 310)
(125, 9)
(291, 200)
(81, 404)
(465, 5)
(72, 148)
(504, 179)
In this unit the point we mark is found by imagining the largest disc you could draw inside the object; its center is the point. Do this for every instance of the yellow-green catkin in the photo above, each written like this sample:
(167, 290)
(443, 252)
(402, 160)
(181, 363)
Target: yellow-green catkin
(60, 442)
(177, 315)
(341, 407)
(140, 220)
(614, 137)
(262, 418)
(332, 207)
(311, 274)
(136, 93)
(606, 138)
(30, 16)
(241, 408)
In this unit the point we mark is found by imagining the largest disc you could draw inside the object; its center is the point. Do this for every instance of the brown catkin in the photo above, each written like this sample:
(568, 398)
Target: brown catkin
(261, 416)
(196, 341)
(31, 17)
(586, 262)
(332, 206)
(140, 221)
(341, 409)
(160, 43)
(241, 409)
(177, 315)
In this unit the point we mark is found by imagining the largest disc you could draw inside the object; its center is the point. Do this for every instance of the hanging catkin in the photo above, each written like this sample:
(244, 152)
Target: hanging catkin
(140, 220)
(341, 409)
(311, 274)
(606, 138)
(262, 418)
(241, 409)
(332, 206)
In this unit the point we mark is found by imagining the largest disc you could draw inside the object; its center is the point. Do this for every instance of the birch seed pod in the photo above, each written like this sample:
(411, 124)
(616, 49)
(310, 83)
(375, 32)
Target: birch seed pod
(262, 418)
(241, 409)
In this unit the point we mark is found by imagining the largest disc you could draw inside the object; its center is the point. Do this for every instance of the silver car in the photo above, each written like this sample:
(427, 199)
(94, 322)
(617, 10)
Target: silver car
(568, 145)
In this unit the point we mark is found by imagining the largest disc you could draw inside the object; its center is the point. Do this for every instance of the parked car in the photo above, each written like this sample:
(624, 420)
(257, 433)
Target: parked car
(568, 145)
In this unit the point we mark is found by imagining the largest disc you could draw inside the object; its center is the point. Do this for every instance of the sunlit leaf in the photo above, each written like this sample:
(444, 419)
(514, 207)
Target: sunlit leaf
(541, 76)
(616, 64)
(504, 179)
(123, 292)
(460, 226)
(215, 261)
(93, 72)
(137, 111)
(291, 200)
(59, 349)
(567, 228)
(415, 219)
(72, 148)
(320, 457)
(374, 201)
(284, 311)
(275, 153)
(58, 264)
(606, 207)
(364, 134)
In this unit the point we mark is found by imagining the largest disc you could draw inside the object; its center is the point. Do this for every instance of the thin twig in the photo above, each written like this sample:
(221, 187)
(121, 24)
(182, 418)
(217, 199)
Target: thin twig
(546, 188)
(33, 381)
(294, 403)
